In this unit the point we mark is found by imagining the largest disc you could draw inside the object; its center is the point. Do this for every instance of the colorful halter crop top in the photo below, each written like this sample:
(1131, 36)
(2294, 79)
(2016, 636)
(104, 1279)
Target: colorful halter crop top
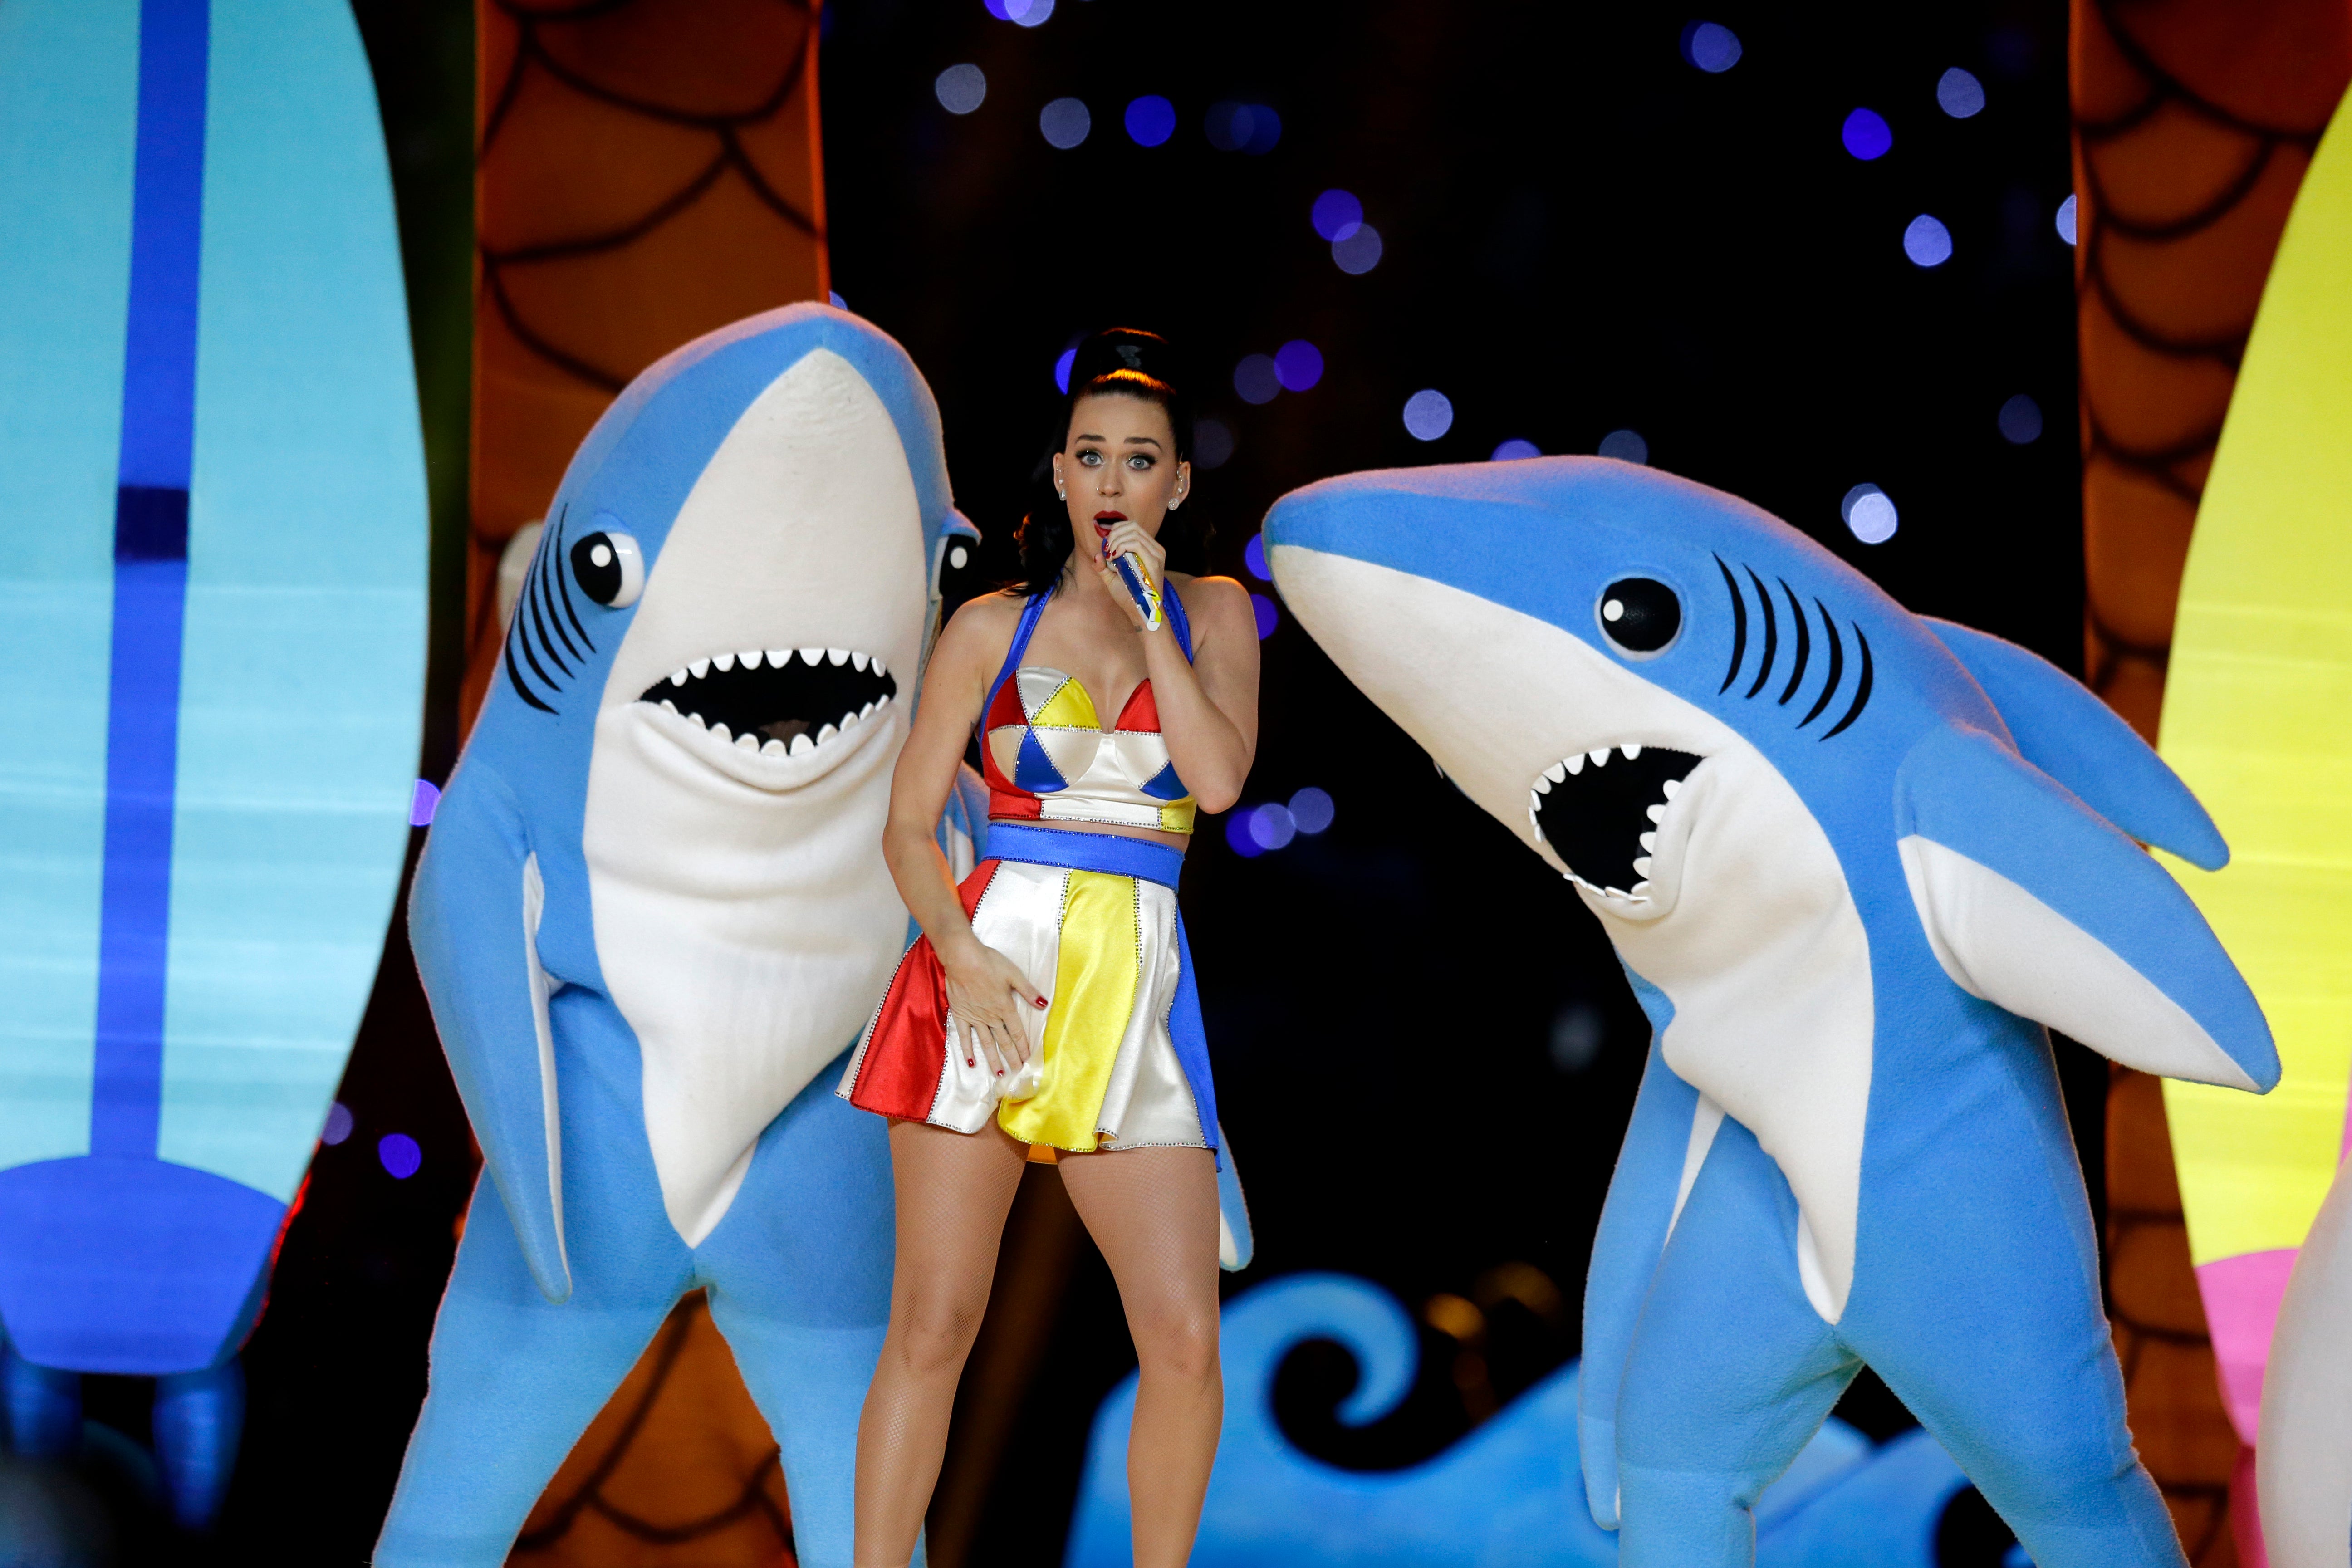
(1048, 757)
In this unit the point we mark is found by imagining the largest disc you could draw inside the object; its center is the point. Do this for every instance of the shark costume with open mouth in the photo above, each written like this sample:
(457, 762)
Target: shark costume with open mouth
(654, 909)
(1852, 861)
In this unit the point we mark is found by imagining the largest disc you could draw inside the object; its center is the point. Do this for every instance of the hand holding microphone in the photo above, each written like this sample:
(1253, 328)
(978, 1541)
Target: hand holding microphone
(1134, 567)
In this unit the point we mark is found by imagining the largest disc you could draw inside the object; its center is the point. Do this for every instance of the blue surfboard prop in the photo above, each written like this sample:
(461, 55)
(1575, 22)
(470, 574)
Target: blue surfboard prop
(213, 613)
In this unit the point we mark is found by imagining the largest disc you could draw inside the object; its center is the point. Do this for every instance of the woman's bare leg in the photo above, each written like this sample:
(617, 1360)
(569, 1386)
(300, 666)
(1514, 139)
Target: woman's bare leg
(1154, 1212)
(954, 1190)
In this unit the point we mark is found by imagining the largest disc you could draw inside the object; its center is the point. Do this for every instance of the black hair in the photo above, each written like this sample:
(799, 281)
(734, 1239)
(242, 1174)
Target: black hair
(1123, 362)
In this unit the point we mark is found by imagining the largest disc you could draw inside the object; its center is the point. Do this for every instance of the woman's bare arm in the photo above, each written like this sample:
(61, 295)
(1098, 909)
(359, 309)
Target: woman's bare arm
(1207, 707)
(984, 987)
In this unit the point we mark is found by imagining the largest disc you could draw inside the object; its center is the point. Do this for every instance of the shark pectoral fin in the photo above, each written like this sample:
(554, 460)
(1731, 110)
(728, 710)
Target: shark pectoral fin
(2033, 902)
(2064, 730)
(473, 923)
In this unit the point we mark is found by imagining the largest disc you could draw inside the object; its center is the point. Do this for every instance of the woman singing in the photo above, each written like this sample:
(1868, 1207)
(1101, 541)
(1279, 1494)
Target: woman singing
(1049, 1010)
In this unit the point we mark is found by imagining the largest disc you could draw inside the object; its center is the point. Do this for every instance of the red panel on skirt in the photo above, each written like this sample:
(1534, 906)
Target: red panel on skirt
(900, 1074)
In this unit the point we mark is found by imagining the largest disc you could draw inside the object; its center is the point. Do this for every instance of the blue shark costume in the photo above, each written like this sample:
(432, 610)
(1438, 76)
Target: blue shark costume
(653, 913)
(1852, 862)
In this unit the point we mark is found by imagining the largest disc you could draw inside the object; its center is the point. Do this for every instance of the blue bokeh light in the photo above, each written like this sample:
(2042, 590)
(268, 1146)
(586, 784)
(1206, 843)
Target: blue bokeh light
(1960, 94)
(1065, 122)
(1212, 443)
(423, 802)
(1312, 810)
(1253, 557)
(1926, 241)
(1269, 617)
(2021, 421)
(1272, 825)
(1234, 127)
(1337, 214)
(1625, 445)
(961, 88)
(1062, 368)
(1027, 13)
(2066, 220)
(832, 297)
(1866, 134)
(1359, 252)
(400, 1155)
(1711, 47)
(1515, 448)
(339, 1124)
(1869, 512)
(1151, 119)
(1300, 364)
(1257, 380)
(1237, 834)
(1428, 414)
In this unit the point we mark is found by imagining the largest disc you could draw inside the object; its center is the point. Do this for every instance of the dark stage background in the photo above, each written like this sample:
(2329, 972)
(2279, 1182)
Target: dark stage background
(1425, 1050)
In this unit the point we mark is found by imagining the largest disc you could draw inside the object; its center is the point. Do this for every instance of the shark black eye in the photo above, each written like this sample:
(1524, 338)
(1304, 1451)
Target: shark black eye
(959, 575)
(609, 568)
(1640, 615)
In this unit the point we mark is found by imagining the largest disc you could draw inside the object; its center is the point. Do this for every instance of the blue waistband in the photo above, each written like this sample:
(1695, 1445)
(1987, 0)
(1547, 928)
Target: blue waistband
(1106, 852)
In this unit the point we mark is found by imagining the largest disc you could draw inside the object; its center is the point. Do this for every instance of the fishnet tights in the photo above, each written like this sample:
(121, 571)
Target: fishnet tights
(1153, 1213)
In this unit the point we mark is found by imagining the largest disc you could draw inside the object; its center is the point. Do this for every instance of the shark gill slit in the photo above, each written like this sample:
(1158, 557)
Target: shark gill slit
(563, 581)
(547, 595)
(1804, 645)
(1862, 686)
(514, 676)
(1739, 626)
(1837, 669)
(532, 588)
(1771, 633)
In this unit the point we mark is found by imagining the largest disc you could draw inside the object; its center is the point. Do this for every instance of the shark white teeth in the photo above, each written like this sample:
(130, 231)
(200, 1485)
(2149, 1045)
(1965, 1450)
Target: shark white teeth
(1599, 759)
(877, 668)
(1650, 842)
(1631, 751)
(827, 733)
(723, 663)
(721, 732)
(857, 660)
(801, 745)
(778, 658)
(748, 659)
(747, 742)
(774, 749)
(1574, 764)
(668, 704)
(1557, 773)
(679, 678)
(1642, 870)
(1657, 813)
(838, 655)
(812, 655)
(1673, 789)
(867, 711)
(1543, 786)
(700, 668)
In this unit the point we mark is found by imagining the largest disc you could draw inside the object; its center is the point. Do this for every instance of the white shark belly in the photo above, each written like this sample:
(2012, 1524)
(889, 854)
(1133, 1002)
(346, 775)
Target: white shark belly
(1766, 961)
(743, 936)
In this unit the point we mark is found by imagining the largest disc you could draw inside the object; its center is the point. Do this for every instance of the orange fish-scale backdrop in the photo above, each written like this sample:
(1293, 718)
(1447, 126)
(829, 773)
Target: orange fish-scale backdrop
(647, 171)
(2194, 121)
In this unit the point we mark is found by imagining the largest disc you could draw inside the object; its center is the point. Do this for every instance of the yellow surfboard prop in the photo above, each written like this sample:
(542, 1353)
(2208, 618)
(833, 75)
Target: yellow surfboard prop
(2258, 721)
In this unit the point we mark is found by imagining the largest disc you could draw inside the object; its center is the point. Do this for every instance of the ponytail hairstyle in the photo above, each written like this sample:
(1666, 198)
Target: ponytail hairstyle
(1123, 362)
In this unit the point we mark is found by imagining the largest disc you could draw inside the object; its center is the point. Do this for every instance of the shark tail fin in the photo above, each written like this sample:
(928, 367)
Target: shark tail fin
(2064, 730)
(473, 923)
(2033, 902)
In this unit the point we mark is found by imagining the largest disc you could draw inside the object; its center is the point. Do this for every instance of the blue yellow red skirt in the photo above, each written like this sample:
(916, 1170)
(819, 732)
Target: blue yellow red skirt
(1117, 1059)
